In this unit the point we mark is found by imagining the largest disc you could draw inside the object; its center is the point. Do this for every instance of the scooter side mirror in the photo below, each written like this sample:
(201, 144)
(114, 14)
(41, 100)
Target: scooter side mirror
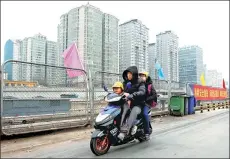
(105, 88)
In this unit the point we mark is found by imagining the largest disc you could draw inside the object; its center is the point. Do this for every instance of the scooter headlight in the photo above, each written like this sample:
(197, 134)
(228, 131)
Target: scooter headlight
(102, 117)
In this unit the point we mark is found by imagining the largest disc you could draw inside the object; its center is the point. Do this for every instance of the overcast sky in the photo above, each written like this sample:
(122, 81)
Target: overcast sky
(196, 23)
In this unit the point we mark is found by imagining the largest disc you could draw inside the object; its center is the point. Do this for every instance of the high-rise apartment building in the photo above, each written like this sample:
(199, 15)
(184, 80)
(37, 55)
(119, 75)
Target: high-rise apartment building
(96, 36)
(38, 55)
(62, 43)
(211, 79)
(34, 49)
(72, 26)
(205, 71)
(62, 37)
(219, 79)
(152, 58)
(12, 51)
(133, 45)
(110, 58)
(26, 69)
(167, 54)
(5, 76)
(90, 37)
(52, 75)
(190, 64)
(214, 78)
(17, 55)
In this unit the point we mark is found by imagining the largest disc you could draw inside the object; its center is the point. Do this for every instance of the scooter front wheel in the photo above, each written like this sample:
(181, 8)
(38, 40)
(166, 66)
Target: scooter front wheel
(100, 145)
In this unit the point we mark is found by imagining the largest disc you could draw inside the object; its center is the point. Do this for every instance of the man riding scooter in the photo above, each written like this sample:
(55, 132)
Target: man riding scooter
(136, 95)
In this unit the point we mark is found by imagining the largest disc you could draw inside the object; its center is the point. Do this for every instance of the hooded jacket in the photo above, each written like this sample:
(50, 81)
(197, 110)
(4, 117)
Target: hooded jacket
(153, 95)
(137, 90)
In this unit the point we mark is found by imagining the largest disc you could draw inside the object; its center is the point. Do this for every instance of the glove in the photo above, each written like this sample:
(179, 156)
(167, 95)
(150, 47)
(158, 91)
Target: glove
(126, 94)
(130, 97)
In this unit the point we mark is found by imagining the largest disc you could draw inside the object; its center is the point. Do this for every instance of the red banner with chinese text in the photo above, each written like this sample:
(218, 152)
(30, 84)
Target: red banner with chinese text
(209, 93)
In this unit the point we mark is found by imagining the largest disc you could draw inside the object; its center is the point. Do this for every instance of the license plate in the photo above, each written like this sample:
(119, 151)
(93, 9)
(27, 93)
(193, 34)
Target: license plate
(114, 131)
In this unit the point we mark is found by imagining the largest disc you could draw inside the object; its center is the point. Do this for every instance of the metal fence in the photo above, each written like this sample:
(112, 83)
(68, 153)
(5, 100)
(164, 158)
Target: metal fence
(174, 85)
(160, 84)
(101, 79)
(165, 85)
(42, 97)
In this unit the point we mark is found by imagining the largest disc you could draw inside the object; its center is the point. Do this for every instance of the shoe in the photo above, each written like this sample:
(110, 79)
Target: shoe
(147, 137)
(124, 129)
(134, 130)
(121, 136)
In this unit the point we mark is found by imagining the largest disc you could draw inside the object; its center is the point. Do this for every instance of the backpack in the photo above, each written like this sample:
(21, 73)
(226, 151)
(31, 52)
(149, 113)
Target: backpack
(152, 104)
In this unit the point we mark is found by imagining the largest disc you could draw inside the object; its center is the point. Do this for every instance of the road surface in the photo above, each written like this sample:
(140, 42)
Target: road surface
(204, 138)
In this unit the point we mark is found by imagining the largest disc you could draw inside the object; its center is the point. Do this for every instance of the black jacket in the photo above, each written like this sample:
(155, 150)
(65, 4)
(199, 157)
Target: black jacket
(153, 94)
(137, 90)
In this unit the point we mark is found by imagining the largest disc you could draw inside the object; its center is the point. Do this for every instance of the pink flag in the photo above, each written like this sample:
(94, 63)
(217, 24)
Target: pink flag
(72, 60)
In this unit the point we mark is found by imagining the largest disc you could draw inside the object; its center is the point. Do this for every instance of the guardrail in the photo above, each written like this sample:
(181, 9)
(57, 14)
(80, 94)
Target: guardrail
(58, 122)
(64, 120)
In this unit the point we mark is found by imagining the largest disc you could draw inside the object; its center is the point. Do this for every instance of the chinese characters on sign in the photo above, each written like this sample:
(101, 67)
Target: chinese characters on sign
(209, 93)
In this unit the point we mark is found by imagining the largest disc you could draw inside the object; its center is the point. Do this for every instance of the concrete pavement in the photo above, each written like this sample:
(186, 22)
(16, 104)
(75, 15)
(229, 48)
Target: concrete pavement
(200, 135)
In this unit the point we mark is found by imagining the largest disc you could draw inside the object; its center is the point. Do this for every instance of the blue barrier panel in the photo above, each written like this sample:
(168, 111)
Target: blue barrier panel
(26, 107)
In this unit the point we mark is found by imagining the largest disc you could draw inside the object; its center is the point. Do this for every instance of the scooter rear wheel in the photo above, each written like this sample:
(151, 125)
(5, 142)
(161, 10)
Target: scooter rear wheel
(100, 146)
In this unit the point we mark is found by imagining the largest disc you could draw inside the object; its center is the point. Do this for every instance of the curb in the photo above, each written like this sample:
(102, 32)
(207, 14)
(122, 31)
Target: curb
(187, 124)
